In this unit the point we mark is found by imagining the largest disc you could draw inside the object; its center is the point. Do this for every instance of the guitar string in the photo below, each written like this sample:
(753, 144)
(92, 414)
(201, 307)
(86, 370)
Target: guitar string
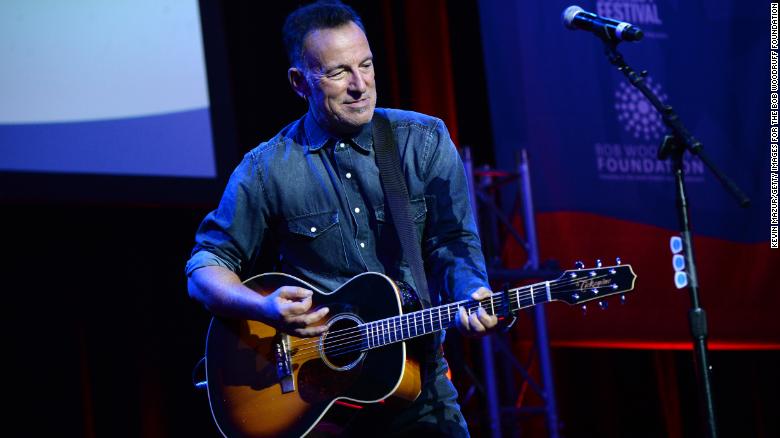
(359, 331)
(358, 335)
(554, 286)
(358, 343)
(498, 296)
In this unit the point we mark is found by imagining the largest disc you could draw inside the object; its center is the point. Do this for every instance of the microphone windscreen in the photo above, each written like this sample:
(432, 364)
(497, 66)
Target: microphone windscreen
(568, 14)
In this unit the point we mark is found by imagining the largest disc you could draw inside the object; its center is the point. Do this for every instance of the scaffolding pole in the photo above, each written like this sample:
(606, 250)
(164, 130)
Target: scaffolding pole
(530, 270)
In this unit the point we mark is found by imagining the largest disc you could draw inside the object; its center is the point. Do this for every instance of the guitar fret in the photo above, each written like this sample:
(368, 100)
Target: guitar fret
(532, 295)
(547, 286)
(438, 310)
(492, 305)
(387, 331)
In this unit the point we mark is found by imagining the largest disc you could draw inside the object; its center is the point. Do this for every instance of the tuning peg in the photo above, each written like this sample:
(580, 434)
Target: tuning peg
(603, 304)
(598, 263)
(622, 299)
(617, 260)
(584, 309)
(579, 264)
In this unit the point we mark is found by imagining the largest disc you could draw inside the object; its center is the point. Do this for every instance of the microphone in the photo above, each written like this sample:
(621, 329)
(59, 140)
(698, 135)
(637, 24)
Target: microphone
(574, 17)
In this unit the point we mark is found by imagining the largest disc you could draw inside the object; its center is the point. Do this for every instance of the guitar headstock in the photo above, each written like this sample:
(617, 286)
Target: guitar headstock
(577, 286)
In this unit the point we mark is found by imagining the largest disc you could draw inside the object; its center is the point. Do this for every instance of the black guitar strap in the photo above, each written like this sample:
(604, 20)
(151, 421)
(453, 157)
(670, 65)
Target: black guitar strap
(398, 202)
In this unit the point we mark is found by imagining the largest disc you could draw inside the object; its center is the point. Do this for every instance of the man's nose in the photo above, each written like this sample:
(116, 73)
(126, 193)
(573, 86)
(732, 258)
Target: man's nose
(358, 83)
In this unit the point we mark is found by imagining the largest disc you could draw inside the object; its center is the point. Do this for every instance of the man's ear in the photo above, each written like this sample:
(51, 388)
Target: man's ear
(298, 82)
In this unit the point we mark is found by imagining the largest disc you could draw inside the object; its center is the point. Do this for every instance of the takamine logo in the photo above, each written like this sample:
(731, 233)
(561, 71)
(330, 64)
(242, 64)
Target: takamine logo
(636, 113)
(643, 13)
(592, 284)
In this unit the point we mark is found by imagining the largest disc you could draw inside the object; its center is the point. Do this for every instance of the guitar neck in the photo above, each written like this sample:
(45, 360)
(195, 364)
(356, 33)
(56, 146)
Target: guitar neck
(435, 319)
(573, 287)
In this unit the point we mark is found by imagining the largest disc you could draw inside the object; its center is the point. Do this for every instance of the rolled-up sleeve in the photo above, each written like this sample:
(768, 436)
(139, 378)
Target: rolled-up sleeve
(230, 235)
(452, 250)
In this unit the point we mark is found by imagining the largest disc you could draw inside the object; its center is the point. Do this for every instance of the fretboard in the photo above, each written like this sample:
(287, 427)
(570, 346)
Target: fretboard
(422, 322)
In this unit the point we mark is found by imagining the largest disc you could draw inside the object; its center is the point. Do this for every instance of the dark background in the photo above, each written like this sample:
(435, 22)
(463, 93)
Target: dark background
(102, 337)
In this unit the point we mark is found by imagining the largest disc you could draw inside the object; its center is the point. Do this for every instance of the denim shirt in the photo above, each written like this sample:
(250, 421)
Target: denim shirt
(310, 205)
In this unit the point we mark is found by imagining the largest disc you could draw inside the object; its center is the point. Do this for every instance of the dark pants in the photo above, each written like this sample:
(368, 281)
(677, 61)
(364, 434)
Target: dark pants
(435, 413)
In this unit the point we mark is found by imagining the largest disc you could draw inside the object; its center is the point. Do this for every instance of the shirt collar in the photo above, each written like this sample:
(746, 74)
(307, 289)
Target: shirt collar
(317, 137)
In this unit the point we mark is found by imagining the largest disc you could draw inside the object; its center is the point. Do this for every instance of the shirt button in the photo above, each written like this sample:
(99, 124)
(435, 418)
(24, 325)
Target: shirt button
(362, 244)
(348, 175)
(313, 229)
(357, 210)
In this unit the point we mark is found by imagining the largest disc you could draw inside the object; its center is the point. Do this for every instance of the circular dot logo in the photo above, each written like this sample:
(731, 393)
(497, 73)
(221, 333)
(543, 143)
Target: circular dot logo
(636, 114)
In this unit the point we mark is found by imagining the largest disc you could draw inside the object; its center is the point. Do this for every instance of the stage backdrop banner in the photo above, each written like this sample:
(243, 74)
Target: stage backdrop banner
(600, 191)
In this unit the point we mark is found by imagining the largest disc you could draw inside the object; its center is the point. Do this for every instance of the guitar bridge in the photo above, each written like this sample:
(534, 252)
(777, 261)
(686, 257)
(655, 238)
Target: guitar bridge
(284, 364)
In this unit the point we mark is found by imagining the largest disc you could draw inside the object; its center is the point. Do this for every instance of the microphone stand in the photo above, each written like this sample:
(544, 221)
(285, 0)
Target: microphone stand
(674, 147)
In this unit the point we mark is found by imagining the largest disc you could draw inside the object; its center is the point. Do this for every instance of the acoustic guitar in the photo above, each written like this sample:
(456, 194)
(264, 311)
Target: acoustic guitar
(264, 383)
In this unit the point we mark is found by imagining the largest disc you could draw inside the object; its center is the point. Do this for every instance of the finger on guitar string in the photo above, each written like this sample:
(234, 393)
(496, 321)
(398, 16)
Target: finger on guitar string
(288, 309)
(475, 324)
(487, 321)
(478, 322)
(469, 324)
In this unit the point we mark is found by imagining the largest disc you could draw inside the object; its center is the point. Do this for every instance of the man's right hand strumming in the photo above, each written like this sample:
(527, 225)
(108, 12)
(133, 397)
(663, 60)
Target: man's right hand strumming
(288, 308)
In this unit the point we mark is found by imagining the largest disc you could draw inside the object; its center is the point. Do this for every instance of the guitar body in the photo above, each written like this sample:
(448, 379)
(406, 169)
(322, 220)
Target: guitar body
(248, 394)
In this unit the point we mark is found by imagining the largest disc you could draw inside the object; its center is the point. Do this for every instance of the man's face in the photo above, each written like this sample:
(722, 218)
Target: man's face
(339, 78)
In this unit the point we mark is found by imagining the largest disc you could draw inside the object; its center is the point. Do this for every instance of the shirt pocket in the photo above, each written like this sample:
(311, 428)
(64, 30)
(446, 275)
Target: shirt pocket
(315, 243)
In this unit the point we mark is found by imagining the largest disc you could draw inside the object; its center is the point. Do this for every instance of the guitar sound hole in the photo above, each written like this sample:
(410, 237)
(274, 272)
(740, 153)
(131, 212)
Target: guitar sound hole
(341, 345)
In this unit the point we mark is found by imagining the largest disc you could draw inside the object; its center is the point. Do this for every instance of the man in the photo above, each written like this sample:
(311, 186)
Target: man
(310, 202)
